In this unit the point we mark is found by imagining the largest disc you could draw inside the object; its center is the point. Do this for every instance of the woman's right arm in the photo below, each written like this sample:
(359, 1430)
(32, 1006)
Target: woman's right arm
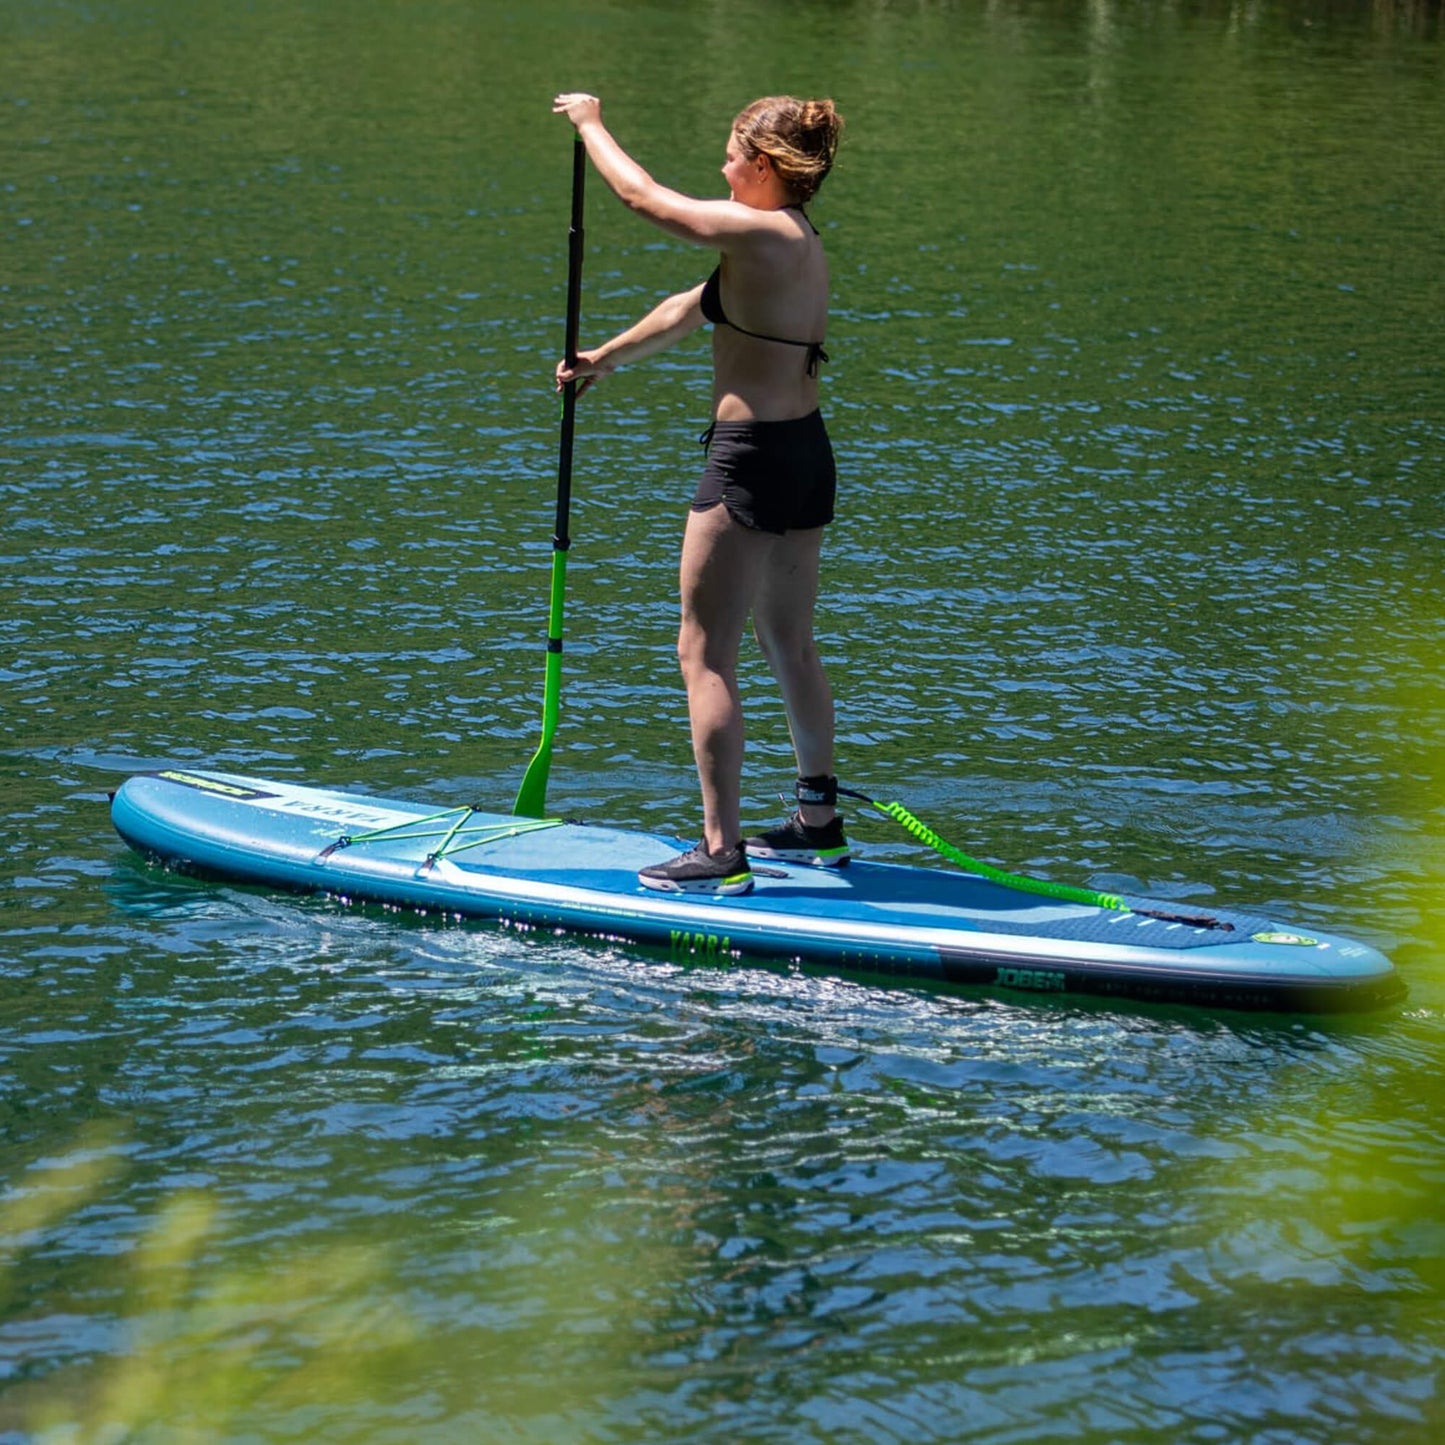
(668, 322)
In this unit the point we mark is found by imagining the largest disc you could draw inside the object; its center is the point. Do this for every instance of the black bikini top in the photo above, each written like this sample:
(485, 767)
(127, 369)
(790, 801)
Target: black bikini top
(712, 310)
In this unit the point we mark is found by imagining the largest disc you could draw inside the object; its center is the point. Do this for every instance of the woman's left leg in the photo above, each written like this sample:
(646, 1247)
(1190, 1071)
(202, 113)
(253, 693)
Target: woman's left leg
(783, 608)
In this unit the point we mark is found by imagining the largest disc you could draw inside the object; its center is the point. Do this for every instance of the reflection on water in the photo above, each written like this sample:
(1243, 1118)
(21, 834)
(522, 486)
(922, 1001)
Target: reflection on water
(1136, 397)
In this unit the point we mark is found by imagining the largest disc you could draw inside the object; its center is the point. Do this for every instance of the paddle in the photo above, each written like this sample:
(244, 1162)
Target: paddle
(532, 795)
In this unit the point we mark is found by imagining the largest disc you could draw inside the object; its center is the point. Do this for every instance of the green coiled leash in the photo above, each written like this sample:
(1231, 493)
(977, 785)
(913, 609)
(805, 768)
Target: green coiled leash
(919, 829)
(1111, 902)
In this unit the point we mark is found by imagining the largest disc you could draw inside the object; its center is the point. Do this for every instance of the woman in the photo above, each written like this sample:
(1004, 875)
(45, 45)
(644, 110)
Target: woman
(755, 530)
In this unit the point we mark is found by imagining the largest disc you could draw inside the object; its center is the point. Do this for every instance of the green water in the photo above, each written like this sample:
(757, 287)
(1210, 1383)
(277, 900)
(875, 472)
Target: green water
(1137, 397)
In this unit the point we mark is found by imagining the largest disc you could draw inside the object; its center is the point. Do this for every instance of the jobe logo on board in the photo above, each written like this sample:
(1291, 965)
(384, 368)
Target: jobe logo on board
(1043, 979)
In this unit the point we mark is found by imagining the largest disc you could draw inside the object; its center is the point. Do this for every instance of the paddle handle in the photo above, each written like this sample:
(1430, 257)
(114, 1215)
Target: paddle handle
(560, 539)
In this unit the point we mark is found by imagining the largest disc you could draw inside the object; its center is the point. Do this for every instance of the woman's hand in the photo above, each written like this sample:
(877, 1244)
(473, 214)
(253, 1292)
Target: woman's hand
(588, 370)
(578, 107)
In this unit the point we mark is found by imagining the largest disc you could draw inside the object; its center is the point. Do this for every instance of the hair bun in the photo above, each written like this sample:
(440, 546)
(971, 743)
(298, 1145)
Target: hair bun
(800, 137)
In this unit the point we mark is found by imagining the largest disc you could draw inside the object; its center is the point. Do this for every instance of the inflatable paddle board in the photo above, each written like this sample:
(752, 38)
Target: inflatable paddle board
(869, 918)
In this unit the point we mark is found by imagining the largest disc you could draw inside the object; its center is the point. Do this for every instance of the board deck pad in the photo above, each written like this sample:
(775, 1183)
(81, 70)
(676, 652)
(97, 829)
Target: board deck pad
(935, 923)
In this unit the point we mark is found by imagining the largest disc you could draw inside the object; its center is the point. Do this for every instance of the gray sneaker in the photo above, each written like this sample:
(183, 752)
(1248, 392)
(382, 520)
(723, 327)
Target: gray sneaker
(698, 871)
(796, 842)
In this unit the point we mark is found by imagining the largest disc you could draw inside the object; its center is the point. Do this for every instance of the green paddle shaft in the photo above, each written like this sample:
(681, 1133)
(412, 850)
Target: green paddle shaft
(532, 795)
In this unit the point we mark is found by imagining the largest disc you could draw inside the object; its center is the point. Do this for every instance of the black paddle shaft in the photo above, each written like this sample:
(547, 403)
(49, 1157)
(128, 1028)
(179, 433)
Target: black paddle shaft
(560, 540)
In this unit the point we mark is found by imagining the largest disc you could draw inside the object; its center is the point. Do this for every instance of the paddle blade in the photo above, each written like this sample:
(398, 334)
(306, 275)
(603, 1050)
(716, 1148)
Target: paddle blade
(532, 795)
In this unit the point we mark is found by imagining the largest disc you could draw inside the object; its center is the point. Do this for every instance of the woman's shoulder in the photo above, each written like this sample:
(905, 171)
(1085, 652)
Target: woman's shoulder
(768, 237)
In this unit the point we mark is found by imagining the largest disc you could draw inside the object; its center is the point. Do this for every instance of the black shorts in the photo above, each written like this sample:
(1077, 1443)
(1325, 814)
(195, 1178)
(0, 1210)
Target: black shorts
(772, 476)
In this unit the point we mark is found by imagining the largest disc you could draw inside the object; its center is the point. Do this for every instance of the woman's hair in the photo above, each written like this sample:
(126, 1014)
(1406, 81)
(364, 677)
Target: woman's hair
(800, 137)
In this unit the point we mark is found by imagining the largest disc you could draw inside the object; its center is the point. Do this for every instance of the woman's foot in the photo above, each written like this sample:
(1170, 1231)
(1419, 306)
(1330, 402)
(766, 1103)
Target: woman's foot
(698, 871)
(796, 842)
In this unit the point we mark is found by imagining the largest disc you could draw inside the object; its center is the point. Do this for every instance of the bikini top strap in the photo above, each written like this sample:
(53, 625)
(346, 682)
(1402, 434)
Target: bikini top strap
(803, 213)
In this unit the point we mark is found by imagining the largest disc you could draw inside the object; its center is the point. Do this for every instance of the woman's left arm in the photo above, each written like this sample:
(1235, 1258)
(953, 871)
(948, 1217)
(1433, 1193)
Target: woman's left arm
(669, 321)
